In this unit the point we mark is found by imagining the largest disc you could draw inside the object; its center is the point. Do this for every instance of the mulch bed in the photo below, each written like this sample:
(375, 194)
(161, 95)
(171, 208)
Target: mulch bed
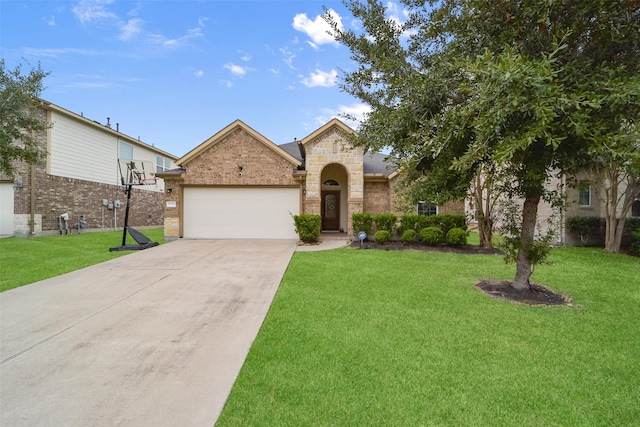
(536, 295)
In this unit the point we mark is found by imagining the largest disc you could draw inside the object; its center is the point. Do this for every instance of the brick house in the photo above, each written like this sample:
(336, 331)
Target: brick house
(80, 177)
(239, 184)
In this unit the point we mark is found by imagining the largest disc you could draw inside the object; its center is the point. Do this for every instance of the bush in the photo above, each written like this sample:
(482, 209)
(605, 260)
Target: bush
(408, 236)
(631, 225)
(308, 227)
(634, 247)
(362, 222)
(409, 222)
(456, 237)
(431, 235)
(448, 221)
(385, 222)
(382, 237)
(583, 226)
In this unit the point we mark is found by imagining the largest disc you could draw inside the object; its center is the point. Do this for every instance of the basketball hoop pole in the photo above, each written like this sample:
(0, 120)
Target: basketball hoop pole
(126, 216)
(134, 172)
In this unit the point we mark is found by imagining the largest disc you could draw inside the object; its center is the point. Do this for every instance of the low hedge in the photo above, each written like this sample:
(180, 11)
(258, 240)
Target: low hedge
(362, 222)
(456, 237)
(431, 236)
(308, 227)
(382, 236)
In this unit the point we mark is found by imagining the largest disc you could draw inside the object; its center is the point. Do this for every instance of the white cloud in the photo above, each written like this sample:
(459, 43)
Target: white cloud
(93, 10)
(318, 29)
(246, 58)
(321, 78)
(159, 39)
(51, 21)
(357, 111)
(132, 28)
(288, 57)
(236, 70)
(198, 73)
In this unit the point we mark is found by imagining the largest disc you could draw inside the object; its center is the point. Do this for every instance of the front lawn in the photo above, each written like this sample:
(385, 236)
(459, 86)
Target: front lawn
(392, 338)
(28, 260)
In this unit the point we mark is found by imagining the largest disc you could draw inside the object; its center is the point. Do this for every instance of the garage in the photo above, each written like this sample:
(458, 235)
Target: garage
(240, 212)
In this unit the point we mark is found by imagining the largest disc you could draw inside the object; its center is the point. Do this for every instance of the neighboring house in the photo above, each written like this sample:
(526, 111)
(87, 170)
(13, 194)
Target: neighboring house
(239, 184)
(582, 198)
(81, 178)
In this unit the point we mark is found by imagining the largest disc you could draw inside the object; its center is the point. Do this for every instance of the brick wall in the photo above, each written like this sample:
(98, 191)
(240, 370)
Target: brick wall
(377, 197)
(220, 164)
(57, 195)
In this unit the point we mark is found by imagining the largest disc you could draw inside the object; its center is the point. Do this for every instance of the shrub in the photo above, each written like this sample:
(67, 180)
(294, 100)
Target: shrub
(362, 222)
(382, 237)
(409, 222)
(631, 225)
(308, 226)
(431, 235)
(634, 247)
(408, 236)
(456, 237)
(448, 221)
(583, 226)
(385, 222)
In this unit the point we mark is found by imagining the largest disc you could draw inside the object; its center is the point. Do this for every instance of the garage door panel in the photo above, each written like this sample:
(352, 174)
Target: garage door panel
(231, 213)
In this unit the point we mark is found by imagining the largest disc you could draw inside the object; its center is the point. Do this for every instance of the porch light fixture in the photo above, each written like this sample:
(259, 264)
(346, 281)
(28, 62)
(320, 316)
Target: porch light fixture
(169, 190)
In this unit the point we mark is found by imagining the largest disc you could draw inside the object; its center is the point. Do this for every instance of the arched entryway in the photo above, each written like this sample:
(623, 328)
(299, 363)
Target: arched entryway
(334, 184)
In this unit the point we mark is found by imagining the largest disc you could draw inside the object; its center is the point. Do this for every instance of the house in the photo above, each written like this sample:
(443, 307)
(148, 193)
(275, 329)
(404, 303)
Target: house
(239, 184)
(78, 187)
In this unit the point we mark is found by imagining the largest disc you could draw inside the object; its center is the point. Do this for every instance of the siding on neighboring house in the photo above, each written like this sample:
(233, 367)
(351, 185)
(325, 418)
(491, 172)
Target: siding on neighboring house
(80, 152)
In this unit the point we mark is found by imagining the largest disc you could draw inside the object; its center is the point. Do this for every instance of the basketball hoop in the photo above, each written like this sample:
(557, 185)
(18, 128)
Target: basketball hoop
(136, 172)
(148, 181)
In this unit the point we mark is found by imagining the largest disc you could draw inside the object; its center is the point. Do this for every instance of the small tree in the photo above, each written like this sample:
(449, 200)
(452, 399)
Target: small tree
(20, 121)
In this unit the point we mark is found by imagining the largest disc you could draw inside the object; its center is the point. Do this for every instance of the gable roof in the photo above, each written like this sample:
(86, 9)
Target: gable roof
(331, 123)
(374, 163)
(219, 136)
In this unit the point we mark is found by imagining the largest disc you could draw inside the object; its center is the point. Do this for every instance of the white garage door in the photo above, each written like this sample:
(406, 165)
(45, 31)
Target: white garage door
(240, 213)
(6, 208)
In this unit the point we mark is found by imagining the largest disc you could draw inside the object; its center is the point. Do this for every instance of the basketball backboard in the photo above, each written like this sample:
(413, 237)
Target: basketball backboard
(137, 172)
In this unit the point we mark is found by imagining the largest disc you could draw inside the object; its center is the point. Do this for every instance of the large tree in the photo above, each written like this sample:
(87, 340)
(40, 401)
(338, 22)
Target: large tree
(20, 122)
(511, 84)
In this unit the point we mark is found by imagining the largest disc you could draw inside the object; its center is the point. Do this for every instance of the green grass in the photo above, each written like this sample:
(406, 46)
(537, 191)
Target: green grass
(28, 260)
(388, 338)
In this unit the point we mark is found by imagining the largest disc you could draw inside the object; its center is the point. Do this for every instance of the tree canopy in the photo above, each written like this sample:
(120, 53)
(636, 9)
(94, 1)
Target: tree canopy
(531, 87)
(19, 119)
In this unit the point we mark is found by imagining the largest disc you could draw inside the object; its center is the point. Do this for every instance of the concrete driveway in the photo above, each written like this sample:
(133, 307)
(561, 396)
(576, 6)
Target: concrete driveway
(154, 338)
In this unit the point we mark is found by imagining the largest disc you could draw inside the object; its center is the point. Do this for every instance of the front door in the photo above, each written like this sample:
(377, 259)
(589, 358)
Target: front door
(331, 210)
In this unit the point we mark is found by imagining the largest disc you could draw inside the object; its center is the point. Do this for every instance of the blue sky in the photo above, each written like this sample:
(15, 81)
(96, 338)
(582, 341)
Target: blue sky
(174, 72)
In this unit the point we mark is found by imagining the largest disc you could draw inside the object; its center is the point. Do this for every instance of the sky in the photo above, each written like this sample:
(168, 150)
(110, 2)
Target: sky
(175, 72)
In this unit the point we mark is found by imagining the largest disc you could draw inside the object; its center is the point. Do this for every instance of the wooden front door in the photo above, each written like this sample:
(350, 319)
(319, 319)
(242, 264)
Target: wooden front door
(331, 210)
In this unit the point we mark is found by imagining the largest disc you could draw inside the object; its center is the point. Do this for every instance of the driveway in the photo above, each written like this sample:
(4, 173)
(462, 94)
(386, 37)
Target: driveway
(153, 338)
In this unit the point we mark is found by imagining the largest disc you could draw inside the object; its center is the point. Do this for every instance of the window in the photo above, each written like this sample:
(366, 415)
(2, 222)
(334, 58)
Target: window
(584, 193)
(162, 164)
(125, 151)
(427, 209)
(330, 183)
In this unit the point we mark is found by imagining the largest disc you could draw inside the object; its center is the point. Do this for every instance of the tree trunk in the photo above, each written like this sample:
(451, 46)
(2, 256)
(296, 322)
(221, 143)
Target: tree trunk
(615, 220)
(485, 229)
(523, 265)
